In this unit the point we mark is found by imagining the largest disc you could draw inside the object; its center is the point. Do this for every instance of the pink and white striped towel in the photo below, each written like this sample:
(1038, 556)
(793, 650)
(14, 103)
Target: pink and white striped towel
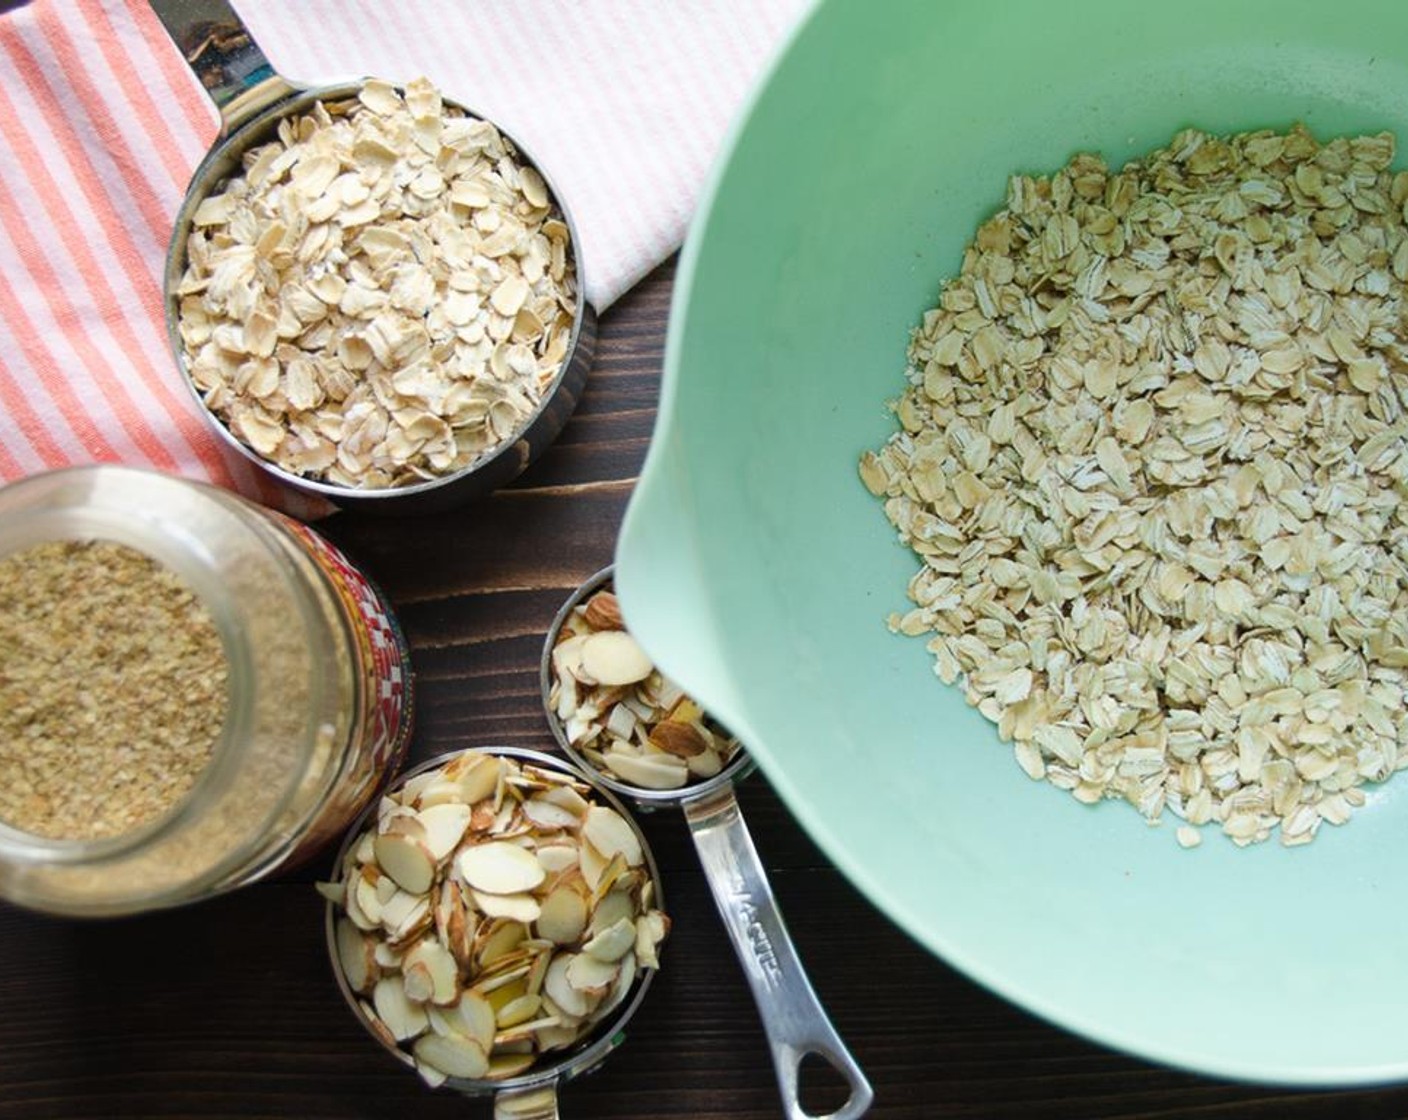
(625, 102)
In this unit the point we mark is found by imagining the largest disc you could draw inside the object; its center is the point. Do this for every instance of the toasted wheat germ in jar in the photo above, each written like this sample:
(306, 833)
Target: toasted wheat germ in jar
(112, 689)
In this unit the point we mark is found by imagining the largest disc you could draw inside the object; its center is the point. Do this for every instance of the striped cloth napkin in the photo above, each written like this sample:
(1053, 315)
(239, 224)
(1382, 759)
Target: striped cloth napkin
(625, 102)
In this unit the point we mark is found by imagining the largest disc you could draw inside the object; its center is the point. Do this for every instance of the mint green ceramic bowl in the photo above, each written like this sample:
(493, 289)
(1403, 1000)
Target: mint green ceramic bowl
(756, 569)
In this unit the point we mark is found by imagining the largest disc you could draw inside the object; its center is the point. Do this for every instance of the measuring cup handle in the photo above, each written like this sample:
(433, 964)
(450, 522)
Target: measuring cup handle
(794, 1020)
(224, 56)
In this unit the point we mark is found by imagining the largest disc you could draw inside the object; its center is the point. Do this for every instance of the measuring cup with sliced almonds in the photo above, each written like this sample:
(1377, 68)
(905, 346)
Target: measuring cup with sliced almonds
(494, 922)
(373, 292)
(614, 713)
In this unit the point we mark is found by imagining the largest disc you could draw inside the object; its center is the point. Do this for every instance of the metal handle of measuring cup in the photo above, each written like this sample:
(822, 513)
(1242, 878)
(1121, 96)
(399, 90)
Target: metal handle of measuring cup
(794, 1020)
(229, 63)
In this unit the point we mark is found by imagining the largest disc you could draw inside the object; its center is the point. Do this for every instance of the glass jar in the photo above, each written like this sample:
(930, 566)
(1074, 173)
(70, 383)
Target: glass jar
(319, 699)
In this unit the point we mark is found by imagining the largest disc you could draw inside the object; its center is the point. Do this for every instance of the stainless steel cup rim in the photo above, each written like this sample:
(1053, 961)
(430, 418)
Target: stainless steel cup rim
(553, 1069)
(222, 160)
(738, 767)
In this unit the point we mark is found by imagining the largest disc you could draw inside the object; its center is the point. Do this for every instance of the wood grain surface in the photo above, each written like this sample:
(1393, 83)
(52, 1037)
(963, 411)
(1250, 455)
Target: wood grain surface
(228, 1009)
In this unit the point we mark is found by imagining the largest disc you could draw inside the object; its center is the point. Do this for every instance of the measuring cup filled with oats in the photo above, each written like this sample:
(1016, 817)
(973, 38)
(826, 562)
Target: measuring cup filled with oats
(494, 922)
(374, 293)
(194, 691)
(613, 712)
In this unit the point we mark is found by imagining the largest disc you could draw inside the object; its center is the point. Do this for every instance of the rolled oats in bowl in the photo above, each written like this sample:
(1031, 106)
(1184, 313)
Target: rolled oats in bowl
(384, 294)
(1152, 458)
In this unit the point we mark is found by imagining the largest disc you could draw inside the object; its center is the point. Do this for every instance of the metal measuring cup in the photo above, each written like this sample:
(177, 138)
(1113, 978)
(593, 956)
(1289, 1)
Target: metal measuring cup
(531, 1095)
(793, 1018)
(253, 98)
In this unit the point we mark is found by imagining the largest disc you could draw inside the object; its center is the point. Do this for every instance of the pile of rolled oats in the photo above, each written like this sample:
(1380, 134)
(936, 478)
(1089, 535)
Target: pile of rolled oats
(383, 296)
(495, 911)
(1152, 456)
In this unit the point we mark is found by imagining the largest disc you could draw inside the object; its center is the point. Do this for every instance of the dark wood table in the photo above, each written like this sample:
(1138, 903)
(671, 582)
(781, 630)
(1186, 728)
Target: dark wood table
(228, 1009)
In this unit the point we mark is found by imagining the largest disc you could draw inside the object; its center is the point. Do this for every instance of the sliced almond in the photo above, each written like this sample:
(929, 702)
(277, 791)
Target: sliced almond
(555, 1036)
(591, 976)
(430, 1075)
(524, 1034)
(396, 909)
(591, 863)
(613, 657)
(651, 928)
(625, 977)
(612, 943)
(387, 956)
(498, 939)
(401, 1017)
(557, 857)
(563, 916)
(504, 1066)
(352, 905)
(417, 982)
(407, 860)
(517, 907)
(518, 1010)
(473, 1016)
(444, 827)
(368, 898)
(612, 908)
(547, 815)
(500, 868)
(417, 919)
(356, 953)
(440, 967)
(573, 1001)
(610, 833)
(454, 1056)
(661, 772)
(683, 740)
(705, 764)
(603, 612)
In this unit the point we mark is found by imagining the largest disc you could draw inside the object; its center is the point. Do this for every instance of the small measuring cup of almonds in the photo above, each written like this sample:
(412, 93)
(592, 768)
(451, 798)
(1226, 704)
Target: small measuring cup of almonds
(613, 712)
(495, 922)
(374, 293)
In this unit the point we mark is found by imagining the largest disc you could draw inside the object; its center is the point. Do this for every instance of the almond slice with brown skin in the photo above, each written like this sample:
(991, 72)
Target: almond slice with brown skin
(682, 740)
(603, 612)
